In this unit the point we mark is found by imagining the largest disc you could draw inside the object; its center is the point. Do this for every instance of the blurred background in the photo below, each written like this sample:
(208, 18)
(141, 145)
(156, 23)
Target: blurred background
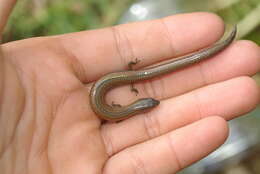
(31, 18)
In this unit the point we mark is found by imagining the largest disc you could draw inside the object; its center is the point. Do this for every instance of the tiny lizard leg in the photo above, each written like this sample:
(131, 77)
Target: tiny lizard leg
(130, 67)
(115, 105)
(133, 89)
(132, 64)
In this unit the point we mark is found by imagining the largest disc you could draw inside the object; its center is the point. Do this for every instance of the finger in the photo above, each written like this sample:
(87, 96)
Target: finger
(149, 41)
(240, 59)
(171, 152)
(5, 10)
(228, 99)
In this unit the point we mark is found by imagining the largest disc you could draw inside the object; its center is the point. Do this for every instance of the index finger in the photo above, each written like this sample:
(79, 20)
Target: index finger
(111, 49)
(95, 53)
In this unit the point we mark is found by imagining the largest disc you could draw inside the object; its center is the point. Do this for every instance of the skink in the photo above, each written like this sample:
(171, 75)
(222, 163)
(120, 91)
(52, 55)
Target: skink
(105, 83)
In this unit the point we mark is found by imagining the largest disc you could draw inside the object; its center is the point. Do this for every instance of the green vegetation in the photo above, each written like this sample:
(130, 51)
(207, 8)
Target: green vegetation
(245, 13)
(51, 17)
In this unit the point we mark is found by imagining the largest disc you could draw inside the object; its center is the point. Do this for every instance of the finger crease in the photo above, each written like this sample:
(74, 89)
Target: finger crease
(108, 142)
(202, 74)
(138, 164)
(153, 89)
(121, 41)
(167, 33)
(173, 151)
(162, 90)
(149, 89)
(199, 107)
(48, 135)
(74, 62)
(151, 125)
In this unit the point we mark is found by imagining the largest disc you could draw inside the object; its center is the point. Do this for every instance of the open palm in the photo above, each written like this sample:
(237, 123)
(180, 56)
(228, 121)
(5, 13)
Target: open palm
(48, 127)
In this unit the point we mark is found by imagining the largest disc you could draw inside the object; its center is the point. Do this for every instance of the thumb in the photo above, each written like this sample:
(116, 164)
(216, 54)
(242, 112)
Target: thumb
(6, 7)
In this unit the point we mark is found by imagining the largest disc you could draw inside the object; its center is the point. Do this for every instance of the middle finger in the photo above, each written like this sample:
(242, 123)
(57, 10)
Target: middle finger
(228, 99)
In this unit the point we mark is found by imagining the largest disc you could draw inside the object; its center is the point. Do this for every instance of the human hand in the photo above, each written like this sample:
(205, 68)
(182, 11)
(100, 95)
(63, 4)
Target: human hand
(47, 125)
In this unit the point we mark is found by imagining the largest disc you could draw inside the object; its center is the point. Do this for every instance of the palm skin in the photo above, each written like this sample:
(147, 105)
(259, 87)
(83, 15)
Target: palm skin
(47, 125)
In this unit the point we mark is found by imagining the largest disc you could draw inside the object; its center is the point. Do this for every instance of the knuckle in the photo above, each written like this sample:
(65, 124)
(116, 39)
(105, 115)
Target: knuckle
(122, 44)
(138, 164)
(151, 125)
(108, 143)
(172, 150)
